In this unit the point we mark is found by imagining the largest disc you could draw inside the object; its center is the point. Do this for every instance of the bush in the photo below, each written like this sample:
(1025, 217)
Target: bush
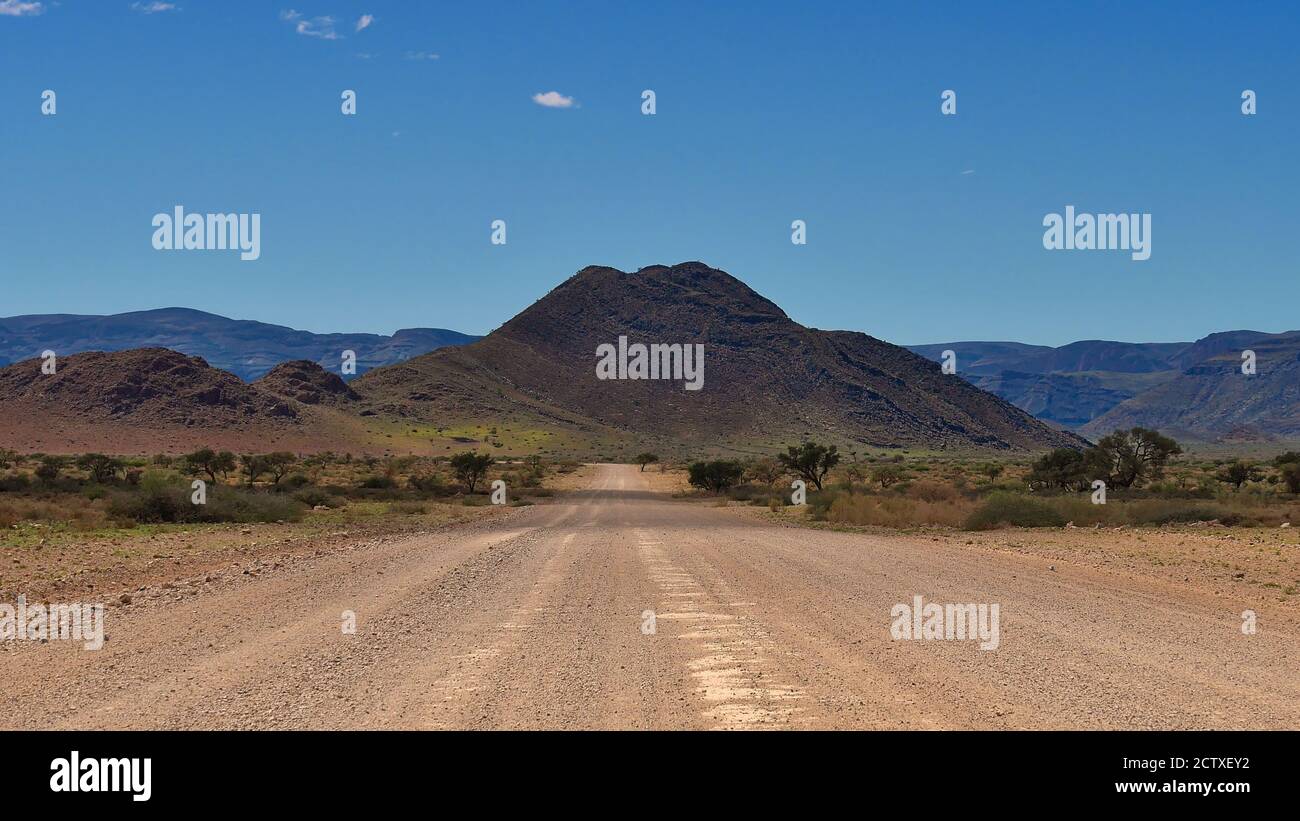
(315, 497)
(893, 511)
(717, 475)
(432, 484)
(161, 499)
(930, 491)
(378, 483)
(407, 508)
(1009, 509)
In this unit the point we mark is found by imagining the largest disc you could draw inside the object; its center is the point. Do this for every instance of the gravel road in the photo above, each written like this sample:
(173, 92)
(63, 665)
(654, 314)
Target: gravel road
(537, 618)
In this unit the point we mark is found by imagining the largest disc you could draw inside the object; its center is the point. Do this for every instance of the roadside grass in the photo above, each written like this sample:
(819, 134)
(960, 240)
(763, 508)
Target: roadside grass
(151, 495)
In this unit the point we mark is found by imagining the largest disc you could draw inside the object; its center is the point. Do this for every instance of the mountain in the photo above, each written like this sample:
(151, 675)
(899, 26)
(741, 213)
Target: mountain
(246, 348)
(1067, 386)
(306, 382)
(1212, 400)
(1189, 389)
(767, 380)
(148, 400)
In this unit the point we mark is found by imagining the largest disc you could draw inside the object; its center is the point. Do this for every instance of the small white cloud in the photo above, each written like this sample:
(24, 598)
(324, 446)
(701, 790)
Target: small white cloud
(320, 27)
(968, 171)
(363, 55)
(421, 55)
(154, 7)
(17, 8)
(553, 99)
(364, 21)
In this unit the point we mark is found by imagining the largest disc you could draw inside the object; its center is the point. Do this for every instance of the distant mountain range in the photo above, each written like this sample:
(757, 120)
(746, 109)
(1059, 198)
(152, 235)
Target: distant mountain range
(531, 385)
(176, 377)
(1194, 390)
(246, 348)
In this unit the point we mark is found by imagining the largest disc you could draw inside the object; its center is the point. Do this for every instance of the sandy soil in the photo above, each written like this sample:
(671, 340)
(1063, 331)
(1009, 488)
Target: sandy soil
(536, 617)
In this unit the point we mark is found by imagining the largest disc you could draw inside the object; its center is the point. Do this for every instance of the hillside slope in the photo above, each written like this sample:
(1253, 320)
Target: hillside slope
(767, 379)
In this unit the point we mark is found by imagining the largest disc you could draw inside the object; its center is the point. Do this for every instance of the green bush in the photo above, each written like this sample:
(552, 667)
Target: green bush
(164, 499)
(1013, 510)
(314, 497)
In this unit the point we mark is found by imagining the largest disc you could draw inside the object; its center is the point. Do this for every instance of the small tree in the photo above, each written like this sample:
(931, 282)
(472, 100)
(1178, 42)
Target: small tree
(278, 464)
(1063, 468)
(211, 462)
(644, 459)
(100, 467)
(253, 467)
(7, 458)
(49, 469)
(1237, 474)
(1291, 475)
(992, 470)
(715, 476)
(470, 466)
(887, 475)
(810, 461)
(1130, 457)
(766, 471)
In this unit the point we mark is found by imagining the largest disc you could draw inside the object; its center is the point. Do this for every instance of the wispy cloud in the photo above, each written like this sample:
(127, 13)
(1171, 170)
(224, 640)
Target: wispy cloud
(320, 27)
(364, 21)
(17, 8)
(154, 7)
(421, 55)
(968, 171)
(553, 99)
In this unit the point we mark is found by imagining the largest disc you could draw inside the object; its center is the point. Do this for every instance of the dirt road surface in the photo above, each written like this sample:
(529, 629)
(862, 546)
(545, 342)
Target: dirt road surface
(537, 619)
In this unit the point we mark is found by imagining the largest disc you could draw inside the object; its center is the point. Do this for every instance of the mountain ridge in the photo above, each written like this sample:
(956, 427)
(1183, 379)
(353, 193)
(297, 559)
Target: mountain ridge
(247, 348)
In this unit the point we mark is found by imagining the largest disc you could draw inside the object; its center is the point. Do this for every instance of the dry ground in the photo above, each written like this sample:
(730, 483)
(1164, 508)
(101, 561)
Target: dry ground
(534, 617)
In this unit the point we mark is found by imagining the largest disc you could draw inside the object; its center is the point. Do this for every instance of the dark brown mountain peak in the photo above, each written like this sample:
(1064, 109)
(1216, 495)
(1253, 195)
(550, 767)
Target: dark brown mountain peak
(147, 386)
(306, 382)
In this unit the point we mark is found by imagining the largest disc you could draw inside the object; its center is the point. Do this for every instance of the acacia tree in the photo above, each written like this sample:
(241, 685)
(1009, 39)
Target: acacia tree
(766, 471)
(1237, 474)
(1289, 464)
(1129, 457)
(810, 461)
(100, 467)
(717, 475)
(278, 464)
(470, 466)
(644, 459)
(211, 462)
(253, 467)
(887, 475)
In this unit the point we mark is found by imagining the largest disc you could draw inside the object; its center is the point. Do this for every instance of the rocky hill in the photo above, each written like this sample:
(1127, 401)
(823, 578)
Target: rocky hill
(767, 379)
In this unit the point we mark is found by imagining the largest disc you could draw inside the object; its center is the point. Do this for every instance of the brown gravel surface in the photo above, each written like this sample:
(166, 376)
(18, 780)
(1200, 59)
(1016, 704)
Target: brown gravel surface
(535, 618)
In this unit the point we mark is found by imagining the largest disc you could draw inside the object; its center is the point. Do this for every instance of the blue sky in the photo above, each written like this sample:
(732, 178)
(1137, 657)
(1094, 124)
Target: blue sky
(921, 227)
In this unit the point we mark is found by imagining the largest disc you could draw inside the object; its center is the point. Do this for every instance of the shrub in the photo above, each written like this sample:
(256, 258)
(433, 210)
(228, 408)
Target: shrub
(430, 483)
(1008, 509)
(407, 508)
(161, 499)
(893, 511)
(928, 490)
(315, 497)
(717, 475)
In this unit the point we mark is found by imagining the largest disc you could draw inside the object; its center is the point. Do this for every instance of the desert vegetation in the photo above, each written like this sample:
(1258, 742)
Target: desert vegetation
(1149, 481)
(93, 491)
